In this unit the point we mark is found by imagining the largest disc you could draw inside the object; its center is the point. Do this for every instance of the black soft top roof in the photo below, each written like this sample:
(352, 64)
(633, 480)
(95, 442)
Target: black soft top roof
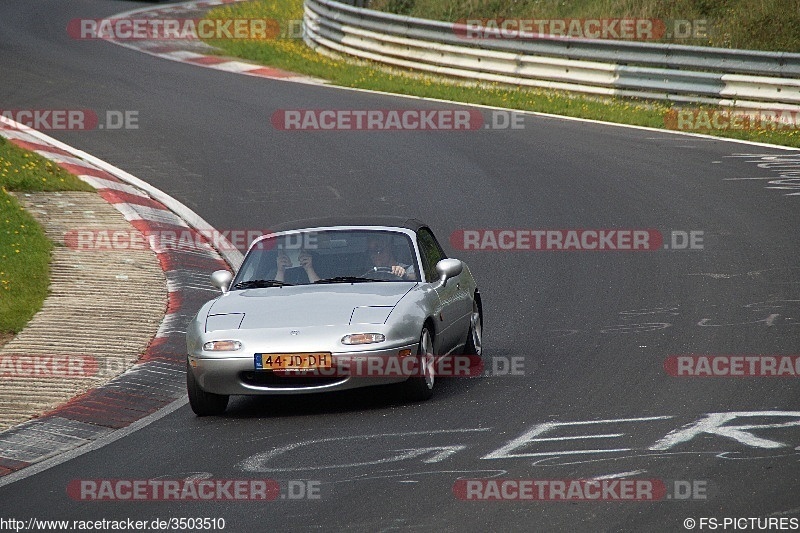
(388, 221)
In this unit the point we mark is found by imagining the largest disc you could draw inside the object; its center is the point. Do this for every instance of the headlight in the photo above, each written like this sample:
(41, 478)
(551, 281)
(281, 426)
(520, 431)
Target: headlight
(363, 338)
(222, 346)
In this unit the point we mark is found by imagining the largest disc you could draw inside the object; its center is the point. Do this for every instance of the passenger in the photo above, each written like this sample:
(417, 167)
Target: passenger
(306, 261)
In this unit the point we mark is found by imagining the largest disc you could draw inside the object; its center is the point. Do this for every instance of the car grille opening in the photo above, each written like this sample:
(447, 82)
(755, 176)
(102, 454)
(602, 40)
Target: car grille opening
(270, 379)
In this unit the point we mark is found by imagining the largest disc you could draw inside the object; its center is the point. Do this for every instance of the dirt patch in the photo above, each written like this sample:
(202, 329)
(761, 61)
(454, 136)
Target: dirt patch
(5, 337)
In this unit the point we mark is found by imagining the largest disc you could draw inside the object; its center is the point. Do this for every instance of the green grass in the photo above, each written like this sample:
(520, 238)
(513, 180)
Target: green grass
(749, 24)
(295, 56)
(24, 248)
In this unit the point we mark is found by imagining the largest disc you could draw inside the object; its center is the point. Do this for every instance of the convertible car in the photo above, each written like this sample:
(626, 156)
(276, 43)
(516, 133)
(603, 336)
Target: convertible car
(328, 305)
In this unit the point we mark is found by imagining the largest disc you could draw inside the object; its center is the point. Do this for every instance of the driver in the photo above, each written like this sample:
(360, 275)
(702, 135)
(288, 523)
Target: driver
(380, 255)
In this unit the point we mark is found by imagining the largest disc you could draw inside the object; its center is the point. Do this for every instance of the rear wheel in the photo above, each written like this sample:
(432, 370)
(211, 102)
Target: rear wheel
(204, 403)
(420, 386)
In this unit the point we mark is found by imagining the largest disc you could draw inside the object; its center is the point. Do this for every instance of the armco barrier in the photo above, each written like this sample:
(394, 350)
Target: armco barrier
(689, 74)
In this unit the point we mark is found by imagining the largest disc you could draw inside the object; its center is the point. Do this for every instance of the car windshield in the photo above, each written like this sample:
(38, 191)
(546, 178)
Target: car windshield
(329, 256)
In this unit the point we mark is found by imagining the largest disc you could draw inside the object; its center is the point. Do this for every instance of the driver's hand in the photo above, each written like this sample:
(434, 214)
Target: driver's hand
(305, 260)
(283, 262)
(398, 271)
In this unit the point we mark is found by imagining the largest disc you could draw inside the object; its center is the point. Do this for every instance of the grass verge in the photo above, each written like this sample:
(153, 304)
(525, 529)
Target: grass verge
(294, 55)
(24, 248)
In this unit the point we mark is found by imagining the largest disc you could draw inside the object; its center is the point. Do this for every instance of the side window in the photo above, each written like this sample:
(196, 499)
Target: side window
(430, 251)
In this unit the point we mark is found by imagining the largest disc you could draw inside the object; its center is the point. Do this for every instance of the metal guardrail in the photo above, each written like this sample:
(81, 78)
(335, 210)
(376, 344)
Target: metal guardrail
(679, 73)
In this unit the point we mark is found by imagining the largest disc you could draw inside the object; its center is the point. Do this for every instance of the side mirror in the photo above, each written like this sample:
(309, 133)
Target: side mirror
(221, 279)
(448, 268)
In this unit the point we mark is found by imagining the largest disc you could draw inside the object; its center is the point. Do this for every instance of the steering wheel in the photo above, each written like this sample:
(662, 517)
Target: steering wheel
(383, 273)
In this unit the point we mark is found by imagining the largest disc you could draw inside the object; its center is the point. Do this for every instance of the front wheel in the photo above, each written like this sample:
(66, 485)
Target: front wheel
(474, 344)
(420, 386)
(204, 403)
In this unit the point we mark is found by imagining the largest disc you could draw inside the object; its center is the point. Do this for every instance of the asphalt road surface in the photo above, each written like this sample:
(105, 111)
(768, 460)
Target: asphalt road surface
(587, 331)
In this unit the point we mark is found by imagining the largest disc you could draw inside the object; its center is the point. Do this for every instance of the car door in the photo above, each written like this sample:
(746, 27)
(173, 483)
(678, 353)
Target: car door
(451, 325)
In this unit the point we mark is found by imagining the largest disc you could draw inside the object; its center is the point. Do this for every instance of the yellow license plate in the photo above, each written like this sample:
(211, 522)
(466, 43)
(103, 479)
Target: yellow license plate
(292, 361)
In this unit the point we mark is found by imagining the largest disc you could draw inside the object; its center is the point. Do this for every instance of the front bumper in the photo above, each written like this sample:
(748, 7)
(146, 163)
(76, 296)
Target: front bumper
(237, 375)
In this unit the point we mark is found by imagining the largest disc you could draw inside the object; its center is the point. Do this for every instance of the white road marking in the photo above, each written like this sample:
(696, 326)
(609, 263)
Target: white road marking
(258, 462)
(557, 461)
(714, 424)
(620, 475)
(505, 452)
(389, 475)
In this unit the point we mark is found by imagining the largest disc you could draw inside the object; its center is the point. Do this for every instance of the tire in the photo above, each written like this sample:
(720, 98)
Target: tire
(420, 388)
(474, 344)
(204, 403)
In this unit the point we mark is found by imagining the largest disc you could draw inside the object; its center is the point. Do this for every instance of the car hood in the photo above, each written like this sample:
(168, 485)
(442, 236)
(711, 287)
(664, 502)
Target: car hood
(306, 305)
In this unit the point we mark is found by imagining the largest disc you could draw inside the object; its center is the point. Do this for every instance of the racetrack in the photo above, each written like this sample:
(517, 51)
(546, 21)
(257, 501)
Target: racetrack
(592, 328)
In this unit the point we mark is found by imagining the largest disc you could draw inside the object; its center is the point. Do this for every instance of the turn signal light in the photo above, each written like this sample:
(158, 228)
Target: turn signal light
(222, 346)
(363, 338)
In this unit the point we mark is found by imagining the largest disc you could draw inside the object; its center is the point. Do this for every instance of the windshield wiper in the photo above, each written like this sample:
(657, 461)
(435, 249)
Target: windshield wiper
(261, 284)
(344, 279)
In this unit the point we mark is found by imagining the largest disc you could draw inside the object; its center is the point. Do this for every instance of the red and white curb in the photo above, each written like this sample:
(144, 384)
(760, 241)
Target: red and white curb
(176, 51)
(158, 378)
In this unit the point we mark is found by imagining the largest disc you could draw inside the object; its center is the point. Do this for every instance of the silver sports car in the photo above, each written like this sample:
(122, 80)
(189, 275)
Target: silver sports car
(328, 305)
